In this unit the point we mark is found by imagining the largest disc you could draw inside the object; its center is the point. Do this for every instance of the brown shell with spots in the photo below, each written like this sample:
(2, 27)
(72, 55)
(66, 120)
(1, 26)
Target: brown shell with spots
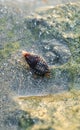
(36, 63)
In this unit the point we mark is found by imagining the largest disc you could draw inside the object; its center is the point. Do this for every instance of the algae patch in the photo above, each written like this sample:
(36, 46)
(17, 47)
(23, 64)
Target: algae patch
(53, 33)
(59, 112)
(8, 49)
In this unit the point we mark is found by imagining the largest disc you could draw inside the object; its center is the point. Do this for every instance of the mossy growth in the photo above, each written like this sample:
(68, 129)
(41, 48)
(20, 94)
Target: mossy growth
(10, 34)
(8, 49)
(60, 21)
(72, 72)
(58, 112)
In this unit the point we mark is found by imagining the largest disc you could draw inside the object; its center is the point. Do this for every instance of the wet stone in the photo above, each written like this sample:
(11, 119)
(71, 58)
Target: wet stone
(52, 33)
(51, 57)
(55, 52)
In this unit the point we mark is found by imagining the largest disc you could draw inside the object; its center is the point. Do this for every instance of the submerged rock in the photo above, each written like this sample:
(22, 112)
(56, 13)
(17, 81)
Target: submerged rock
(53, 33)
(56, 52)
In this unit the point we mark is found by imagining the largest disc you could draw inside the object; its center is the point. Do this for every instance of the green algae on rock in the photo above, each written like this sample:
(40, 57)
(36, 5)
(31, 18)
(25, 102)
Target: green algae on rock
(13, 33)
(61, 23)
(61, 111)
(47, 32)
(9, 49)
(53, 33)
(58, 112)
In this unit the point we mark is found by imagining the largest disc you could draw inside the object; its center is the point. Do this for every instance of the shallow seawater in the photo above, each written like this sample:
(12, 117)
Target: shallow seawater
(14, 70)
(22, 82)
(16, 79)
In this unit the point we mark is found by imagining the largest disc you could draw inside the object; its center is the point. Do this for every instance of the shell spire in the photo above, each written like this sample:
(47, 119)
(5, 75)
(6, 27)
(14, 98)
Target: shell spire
(25, 53)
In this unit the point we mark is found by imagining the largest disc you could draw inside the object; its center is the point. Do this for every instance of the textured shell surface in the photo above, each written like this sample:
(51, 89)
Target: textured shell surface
(41, 67)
